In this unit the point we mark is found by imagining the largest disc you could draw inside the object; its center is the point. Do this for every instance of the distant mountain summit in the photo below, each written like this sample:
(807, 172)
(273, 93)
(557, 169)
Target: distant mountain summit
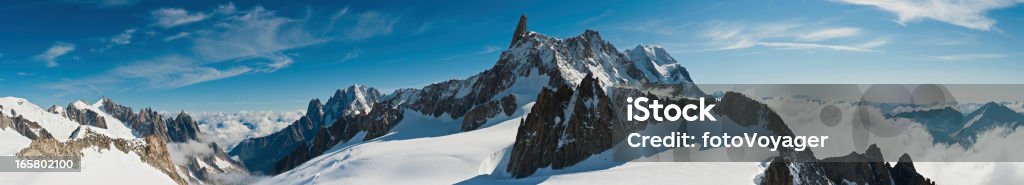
(947, 125)
(987, 117)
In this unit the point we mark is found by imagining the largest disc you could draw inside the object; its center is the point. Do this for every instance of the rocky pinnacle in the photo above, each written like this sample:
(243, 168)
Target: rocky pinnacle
(520, 31)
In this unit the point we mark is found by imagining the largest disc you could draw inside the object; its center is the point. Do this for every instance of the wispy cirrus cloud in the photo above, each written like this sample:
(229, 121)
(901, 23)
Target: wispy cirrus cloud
(486, 50)
(790, 35)
(174, 71)
(864, 47)
(350, 55)
(661, 27)
(966, 57)
(56, 50)
(164, 72)
(225, 42)
(171, 17)
(831, 33)
(371, 24)
(595, 18)
(257, 32)
(123, 38)
(964, 13)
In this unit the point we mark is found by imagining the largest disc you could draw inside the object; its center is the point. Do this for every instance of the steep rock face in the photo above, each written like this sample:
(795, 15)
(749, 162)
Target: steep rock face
(29, 129)
(842, 170)
(152, 151)
(83, 116)
(182, 128)
(354, 100)
(479, 115)
(905, 173)
(746, 111)
(261, 154)
(146, 122)
(539, 133)
(549, 137)
(520, 30)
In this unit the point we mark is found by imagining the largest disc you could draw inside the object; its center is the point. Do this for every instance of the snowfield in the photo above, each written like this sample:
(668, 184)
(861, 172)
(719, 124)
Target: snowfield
(98, 167)
(420, 150)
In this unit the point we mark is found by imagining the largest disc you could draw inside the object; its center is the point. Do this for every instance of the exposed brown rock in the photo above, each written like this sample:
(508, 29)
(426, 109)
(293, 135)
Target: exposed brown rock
(152, 151)
(520, 31)
(29, 129)
(84, 116)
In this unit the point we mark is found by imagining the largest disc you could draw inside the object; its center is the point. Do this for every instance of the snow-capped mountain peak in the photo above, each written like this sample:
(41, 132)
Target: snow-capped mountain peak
(78, 104)
(657, 64)
(355, 99)
(569, 60)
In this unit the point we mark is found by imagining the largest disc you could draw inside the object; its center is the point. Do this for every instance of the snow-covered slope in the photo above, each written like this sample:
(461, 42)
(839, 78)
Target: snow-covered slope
(61, 127)
(11, 142)
(421, 149)
(100, 165)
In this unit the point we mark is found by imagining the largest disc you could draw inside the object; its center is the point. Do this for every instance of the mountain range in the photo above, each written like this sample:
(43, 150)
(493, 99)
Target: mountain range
(949, 125)
(547, 106)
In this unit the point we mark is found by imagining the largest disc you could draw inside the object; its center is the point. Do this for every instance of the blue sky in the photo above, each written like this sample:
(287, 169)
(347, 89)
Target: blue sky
(276, 55)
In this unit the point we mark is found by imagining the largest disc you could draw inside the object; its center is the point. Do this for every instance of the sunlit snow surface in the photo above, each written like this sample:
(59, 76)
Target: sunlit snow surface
(106, 166)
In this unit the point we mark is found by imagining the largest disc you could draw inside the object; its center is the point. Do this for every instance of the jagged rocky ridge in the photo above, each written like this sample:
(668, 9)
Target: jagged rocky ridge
(29, 129)
(836, 170)
(200, 168)
(153, 151)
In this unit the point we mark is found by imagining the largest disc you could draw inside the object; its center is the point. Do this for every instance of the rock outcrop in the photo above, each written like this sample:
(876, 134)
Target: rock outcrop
(853, 168)
(551, 137)
(182, 128)
(145, 122)
(78, 113)
(520, 31)
(152, 151)
(29, 129)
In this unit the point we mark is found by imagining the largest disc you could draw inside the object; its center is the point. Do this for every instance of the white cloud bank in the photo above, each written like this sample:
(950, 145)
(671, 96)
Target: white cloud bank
(228, 129)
